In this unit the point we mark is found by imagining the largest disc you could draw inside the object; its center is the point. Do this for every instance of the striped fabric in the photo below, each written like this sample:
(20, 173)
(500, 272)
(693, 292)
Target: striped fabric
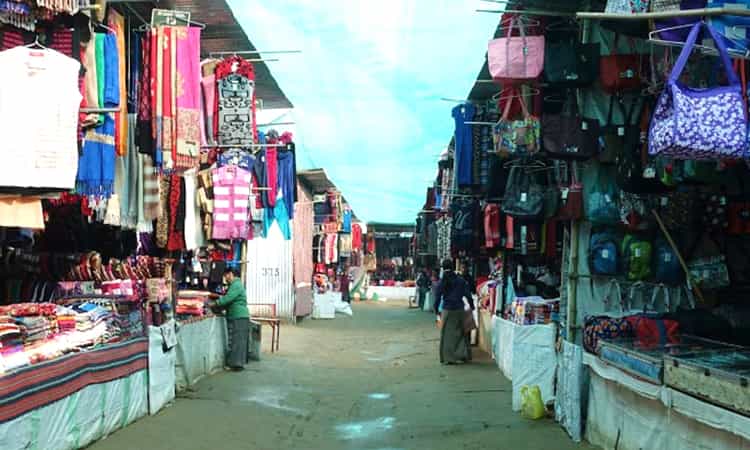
(231, 202)
(42, 384)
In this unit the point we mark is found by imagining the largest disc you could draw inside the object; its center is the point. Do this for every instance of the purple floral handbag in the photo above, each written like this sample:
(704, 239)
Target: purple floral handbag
(692, 123)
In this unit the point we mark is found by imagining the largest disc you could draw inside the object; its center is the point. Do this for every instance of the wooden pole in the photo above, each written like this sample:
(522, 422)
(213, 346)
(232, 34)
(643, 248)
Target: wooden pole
(694, 286)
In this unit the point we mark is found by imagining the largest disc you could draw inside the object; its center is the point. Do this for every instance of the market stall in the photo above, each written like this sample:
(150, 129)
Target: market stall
(594, 191)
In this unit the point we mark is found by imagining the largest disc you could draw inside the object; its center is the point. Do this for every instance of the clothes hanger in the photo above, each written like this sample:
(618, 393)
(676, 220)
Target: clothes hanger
(101, 25)
(531, 92)
(654, 39)
(36, 44)
(524, 20)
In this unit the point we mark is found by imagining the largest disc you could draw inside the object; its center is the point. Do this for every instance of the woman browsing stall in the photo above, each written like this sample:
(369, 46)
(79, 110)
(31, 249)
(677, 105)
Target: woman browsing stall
(456, 322)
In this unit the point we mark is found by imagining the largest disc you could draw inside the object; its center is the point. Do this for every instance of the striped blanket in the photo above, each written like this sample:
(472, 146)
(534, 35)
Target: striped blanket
(42, 384)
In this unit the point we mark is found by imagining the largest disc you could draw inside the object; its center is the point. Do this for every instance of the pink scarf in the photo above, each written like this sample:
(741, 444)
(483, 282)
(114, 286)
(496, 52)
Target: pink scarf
(188, 95)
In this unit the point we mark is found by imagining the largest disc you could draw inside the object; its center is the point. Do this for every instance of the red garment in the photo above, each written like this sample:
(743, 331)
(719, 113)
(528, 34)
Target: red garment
(176, 236)
(272, 175)
(371, 244)
(356, 236)
(509, 242)
(550, 245)
(492, 225)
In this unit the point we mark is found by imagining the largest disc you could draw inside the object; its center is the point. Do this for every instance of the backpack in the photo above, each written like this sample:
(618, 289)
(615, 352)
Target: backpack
(603, 253)
(667, 268)
(636, 258)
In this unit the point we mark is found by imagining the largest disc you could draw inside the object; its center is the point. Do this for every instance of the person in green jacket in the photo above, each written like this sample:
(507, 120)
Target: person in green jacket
(234, 301)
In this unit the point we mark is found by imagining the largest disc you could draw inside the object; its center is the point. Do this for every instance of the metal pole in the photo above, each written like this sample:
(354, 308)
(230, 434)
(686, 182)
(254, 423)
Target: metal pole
(572, 309)
(707, 12)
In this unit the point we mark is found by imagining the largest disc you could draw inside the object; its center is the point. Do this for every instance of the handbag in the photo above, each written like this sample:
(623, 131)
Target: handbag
(524, 196)
(615, 136)
(678, 34)
(516, 136)
(652, 331)
(632, 165)
(706, 124)
(571, 64)
(620, 72)
(516, 58)
(596, 328)
(601, 204)
(469, 324)
(568, 135)
(571, 199)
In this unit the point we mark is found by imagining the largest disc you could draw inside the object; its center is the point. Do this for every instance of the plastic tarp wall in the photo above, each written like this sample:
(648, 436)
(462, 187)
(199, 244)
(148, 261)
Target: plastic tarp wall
(570, 390)
(79, 419)
(628, 414)
(485, 331)
(534, 361)
(270, 278)
(200, 351)
(161, 371)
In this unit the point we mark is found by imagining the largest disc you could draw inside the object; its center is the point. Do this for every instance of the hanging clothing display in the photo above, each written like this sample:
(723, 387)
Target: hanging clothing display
(43, 85)
(234, 112)
(464, 145)
(231, 188)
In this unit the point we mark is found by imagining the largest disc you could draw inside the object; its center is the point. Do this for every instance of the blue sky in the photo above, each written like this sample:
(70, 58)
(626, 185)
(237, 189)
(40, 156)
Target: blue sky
(367, 87)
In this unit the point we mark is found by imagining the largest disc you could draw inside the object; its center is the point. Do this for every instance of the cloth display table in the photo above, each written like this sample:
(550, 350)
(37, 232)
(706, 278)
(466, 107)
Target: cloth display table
(75, 400)
(635, 414)
(161, 370)
(385, 293)
(200, 351)
(526, 356)
(485, 331)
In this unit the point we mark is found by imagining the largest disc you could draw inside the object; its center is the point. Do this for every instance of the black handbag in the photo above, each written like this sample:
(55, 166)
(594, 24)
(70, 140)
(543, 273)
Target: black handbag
(614, 136)
(524, 196)
(571, 64)
(570, 136)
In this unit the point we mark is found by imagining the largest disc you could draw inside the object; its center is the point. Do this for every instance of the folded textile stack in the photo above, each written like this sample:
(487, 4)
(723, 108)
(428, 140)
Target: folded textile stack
(66, 319)
(14, 358)
(29, 309)
(36, 328)
(90, 316)
(191, 306)
(10, 332)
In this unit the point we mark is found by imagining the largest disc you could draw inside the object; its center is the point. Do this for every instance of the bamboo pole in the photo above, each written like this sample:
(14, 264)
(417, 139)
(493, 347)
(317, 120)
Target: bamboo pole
(703, 12)
(694, 286)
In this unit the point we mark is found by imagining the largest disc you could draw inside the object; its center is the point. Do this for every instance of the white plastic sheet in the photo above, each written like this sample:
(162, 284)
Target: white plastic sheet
(201, 350)
(161, 371)
(386, 293)
(534, 361)
(568, 404)
(623, 413)
(619, 417)
(81, 418)
(504, 331)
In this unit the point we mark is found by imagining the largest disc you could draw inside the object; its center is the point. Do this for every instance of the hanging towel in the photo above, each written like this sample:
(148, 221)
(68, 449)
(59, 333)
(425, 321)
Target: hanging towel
(188, 97)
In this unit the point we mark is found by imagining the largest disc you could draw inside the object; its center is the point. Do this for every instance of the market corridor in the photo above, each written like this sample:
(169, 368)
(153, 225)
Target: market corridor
(367, 382)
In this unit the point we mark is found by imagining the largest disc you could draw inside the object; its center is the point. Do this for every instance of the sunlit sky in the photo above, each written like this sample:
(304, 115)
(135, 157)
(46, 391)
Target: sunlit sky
(367, 87)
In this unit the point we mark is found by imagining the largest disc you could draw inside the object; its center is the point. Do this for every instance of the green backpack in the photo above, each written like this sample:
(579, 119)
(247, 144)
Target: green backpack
(636, 258)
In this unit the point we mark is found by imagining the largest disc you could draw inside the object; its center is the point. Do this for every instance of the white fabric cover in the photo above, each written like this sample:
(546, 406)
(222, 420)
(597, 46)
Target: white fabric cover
(200, 351)
(81, 418)
(534, 361)
(569, 401)
(161, 371)
(391, 292)
(656, 417)
(504, 350)
(324, 305)
(643, 423)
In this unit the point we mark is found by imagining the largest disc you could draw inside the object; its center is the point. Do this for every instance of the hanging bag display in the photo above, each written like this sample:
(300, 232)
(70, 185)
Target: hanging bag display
(516, 58)
(620, 72)
(568, 135)
(524, 196)
(700, 124)
(571, 64)
(517, 137)
(667, 268)
(601, 204)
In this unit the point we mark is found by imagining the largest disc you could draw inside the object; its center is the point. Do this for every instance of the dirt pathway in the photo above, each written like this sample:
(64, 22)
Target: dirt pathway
(367, 382)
